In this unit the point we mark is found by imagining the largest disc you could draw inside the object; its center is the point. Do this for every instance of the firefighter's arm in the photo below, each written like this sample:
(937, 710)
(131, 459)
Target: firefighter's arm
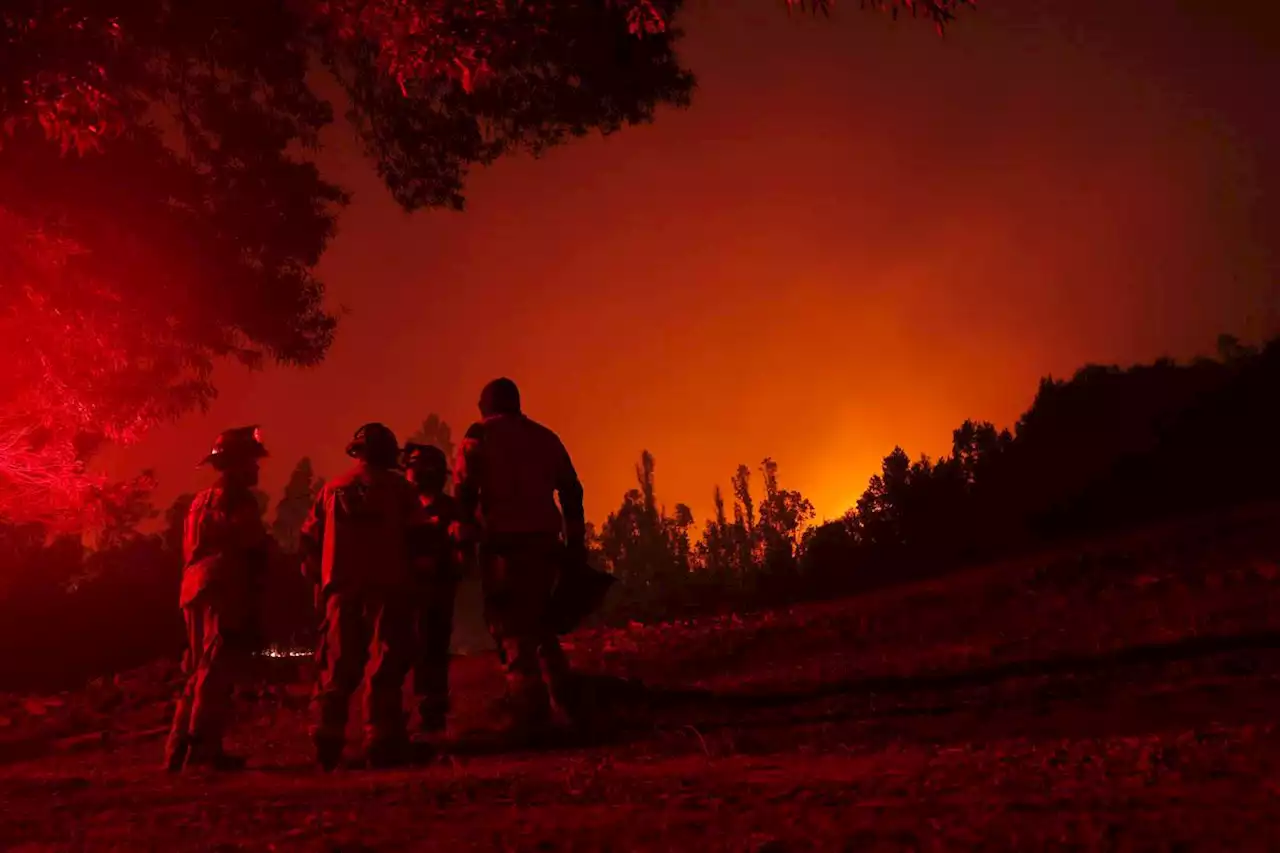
(466, 484)
(311, 539)
(194, 526)
(417, 523)
(569, 490)
(462, 553)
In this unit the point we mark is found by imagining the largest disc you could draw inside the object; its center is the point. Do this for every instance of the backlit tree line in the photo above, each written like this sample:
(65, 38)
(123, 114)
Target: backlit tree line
(659, 555)
(1105, 449)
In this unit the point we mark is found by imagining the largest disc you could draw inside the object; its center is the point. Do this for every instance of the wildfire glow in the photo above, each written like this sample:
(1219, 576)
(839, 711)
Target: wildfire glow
(276, 652)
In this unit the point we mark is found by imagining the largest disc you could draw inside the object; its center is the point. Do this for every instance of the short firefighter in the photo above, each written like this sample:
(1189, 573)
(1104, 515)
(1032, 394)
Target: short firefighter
(438, 564)
(357, 537)
(509, 471)
(225, 551)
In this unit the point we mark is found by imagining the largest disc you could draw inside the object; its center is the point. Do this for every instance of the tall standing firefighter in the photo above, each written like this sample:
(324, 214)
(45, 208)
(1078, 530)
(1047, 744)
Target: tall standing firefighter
(225, 551)
(508, 473)
(437, 567)
(357, 538)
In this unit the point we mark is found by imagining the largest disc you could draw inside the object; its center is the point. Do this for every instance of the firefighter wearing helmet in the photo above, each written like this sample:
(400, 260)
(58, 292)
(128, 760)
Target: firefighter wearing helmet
(438, 565)
(509, 472)
(225, 552)
(358, 541)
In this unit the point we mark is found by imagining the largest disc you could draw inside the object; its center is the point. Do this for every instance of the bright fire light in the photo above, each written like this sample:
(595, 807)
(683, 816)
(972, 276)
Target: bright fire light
(276, 652)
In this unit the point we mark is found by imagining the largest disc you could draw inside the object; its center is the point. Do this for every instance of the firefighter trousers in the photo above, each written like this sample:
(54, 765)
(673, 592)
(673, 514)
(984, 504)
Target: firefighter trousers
(363, 631)
(519, 573)
(433, 630)
(215, 659)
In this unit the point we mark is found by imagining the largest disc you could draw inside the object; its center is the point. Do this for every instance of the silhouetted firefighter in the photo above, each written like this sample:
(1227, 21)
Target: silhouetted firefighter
(437, 568)
(358, 536)
(225, 550)
(509, 471)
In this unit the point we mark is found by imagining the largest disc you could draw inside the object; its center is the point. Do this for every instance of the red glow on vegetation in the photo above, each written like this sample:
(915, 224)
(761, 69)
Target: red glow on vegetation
(95, 355)
(419, 41)
(82, 366)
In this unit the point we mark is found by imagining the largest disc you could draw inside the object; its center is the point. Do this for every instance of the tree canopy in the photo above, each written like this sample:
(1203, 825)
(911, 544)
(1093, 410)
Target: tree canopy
(158, 212)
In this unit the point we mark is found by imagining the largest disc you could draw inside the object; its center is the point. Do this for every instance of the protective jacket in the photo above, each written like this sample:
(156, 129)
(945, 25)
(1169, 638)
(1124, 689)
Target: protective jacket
(509, 470)
(224, 545)
(360, 527)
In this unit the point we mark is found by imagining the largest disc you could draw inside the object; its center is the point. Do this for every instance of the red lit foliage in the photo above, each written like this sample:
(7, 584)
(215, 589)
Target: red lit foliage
(157, 214)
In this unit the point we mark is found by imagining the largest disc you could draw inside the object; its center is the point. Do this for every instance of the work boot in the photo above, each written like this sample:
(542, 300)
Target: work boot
(213, 757)
(387, 754)
(175, 757)
(328, 752)
(222, 762)
(576, 702)
(433, 718)
(525, 723)
(519, 732)
(434, 723)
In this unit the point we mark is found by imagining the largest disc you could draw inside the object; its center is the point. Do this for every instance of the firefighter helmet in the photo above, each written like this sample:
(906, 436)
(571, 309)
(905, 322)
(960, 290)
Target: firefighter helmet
(426, 457)
(234, 445)
(500, 397)
(374, 440)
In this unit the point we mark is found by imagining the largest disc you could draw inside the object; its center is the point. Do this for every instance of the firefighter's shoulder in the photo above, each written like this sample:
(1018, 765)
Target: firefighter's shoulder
(345, 478)
(472, 437)
(546, 436)
(204, 499)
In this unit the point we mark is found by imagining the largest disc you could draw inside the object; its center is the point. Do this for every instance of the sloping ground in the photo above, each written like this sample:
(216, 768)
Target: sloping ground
(1120, 698)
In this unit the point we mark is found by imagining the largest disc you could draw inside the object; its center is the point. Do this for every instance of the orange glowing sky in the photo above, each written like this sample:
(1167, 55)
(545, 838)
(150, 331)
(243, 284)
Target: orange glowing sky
(858, 236)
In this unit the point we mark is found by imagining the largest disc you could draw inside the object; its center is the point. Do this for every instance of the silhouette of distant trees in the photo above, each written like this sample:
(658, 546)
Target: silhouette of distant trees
(640, 541)
(1108, 448)
(69, 611)
(437, 433)
(289, 609)
(175, 518)
(300, 493)
(654, 553)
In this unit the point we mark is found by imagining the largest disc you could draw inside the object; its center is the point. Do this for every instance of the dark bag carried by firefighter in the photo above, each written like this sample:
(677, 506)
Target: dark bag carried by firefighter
(580, 591)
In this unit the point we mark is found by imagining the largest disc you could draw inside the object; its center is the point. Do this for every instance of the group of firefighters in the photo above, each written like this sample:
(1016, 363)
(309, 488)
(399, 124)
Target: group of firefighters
(385, 546)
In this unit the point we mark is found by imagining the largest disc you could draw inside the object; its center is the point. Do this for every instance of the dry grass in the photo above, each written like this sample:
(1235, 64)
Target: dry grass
(1122, 701)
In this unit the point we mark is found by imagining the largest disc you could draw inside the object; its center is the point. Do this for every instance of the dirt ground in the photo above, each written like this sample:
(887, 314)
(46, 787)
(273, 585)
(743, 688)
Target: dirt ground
(1117, 698)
